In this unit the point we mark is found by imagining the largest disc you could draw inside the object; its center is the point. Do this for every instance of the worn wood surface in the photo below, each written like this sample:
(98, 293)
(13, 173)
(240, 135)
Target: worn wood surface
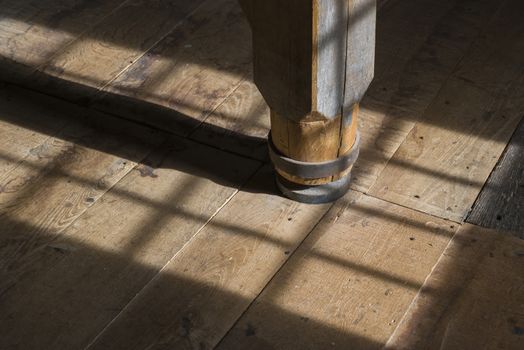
(473, 299)
(100, 248)
(349, 283)
(500, 205)
(31, 32)
(245, 245)
(101, 260)
(459, 138)
(448, 166)
(240, 125)
(98, 56)
(186, 76)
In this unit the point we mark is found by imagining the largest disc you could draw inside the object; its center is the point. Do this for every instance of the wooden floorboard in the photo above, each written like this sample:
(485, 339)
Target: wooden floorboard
(473, 299)
(185, 77)
(58, 174)
(200, 294)
(77, 259)
(32, 31)
(348, 285)
(500, 205)
(101, 54)
(114, 235)
(459, 138)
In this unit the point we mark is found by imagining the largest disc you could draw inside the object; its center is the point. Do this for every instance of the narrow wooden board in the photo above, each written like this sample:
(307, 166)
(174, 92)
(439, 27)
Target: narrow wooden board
(31, 32)
(473, 299)
(101, 54)
(201, 293)
(84, 276)
(500, 205)
(184, 78)
(349, 283)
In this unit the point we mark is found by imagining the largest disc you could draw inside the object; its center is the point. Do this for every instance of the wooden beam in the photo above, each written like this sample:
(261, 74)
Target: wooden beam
(313, 62)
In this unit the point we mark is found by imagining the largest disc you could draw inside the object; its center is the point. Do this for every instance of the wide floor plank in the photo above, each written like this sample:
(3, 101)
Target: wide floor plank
(441, 171)
(349, 284)
(473, 299)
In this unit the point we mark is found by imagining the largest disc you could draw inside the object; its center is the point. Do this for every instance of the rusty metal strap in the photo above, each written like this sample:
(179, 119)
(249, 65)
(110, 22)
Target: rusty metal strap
(308, 170)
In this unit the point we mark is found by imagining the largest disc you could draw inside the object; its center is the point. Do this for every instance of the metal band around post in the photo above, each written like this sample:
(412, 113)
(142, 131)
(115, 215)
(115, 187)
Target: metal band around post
(308, 170)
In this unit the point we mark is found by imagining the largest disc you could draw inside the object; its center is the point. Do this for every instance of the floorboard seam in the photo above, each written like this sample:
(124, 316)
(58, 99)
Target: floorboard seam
(276, 273)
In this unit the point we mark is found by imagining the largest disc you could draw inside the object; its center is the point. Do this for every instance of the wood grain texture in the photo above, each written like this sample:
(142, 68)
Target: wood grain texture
(23, 127)
(501, 203)
(415, 57)
(56, 181)
(240, 125)
(349, 283)
(456, 144)
(450, 165)
(101, 54)
(473, 299)
(186, 76)
(105, 257)
(31, 32)
(205, 293)
(283, 72)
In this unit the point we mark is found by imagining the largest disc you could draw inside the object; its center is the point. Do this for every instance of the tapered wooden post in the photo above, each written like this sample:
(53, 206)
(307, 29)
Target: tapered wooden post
(313, 62)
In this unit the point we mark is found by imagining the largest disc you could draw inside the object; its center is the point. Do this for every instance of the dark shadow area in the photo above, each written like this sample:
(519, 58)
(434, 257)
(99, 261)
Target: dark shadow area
(89, 128)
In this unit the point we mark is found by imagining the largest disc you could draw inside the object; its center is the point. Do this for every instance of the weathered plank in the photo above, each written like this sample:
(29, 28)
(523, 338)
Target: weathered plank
(240, 124)
(415, 57)
(23, 126)
(56, 181)
(441, 170)
(180, 81)
(101, 54)
(201, 293)
(459, 138)
(473, 299)
(31, 32)
(82, 278)
(500, 205)
(349, 283)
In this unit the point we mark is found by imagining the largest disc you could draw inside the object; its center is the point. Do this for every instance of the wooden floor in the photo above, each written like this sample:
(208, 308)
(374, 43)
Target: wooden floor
(138, 209)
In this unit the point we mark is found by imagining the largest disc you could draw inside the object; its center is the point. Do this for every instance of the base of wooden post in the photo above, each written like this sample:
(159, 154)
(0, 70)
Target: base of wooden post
(318, 194)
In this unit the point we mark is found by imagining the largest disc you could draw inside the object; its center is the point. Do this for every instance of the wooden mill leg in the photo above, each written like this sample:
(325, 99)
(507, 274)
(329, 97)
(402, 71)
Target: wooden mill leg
(313, 62)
